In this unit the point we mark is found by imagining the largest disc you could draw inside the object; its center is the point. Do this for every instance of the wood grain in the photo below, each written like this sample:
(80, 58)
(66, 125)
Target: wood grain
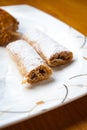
(73, 12)
(72, 116)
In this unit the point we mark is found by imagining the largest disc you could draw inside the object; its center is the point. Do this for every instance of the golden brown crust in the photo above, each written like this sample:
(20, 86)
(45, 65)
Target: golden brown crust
(8, 24)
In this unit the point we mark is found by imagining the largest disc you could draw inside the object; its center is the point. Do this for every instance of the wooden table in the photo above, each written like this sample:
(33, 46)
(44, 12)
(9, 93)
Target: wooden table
(72, 116)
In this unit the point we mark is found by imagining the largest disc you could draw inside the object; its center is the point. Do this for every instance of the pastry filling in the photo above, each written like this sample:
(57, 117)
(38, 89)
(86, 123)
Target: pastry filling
(40, 73)
(61, 58)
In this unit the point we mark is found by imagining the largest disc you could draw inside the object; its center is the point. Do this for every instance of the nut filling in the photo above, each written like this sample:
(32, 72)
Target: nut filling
(38, 74)
(61, 58)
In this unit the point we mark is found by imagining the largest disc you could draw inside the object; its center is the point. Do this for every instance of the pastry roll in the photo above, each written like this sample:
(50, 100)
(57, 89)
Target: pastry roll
(30, 64)
(51, 51)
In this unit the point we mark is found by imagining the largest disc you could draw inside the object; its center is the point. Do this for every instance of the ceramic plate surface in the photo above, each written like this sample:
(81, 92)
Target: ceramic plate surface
(17, 101)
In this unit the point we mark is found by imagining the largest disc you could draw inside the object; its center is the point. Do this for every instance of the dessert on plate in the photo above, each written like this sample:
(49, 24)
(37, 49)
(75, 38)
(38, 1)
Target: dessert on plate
(51, 51)
(30, 64)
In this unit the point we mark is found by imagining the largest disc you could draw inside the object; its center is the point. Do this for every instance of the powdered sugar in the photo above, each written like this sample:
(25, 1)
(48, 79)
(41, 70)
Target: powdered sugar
(43, 43)
(26, 55)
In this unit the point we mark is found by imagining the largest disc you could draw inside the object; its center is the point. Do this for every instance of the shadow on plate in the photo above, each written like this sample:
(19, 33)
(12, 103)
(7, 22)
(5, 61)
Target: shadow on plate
(40, 84)
(61, 67)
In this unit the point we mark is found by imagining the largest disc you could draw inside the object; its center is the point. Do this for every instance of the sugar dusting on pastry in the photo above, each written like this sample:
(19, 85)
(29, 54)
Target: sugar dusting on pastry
(30, 64)
(48, 48)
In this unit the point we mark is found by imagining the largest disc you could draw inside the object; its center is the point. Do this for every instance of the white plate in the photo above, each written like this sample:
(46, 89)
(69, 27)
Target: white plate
(18, 102)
